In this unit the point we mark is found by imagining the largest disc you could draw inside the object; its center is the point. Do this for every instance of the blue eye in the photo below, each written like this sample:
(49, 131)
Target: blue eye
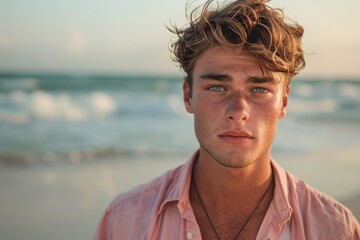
(216, 89)
(260, 90)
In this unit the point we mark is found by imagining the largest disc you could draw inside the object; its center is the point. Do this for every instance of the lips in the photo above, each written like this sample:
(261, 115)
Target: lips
(236, 137)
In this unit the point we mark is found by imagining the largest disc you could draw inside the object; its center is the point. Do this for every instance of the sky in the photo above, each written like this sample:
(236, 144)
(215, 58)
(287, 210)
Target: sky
(123, 36)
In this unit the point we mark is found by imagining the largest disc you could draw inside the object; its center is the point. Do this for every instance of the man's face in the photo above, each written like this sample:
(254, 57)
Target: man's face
(236, 107)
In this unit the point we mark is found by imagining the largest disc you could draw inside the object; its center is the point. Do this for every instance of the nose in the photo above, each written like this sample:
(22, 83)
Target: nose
(237, 108)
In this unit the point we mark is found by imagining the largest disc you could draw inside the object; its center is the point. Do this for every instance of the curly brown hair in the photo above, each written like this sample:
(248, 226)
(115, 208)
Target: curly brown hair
(249, 25)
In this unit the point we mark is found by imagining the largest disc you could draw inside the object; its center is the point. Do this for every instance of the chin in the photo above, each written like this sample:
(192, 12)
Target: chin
(238, 161)
(237, 165)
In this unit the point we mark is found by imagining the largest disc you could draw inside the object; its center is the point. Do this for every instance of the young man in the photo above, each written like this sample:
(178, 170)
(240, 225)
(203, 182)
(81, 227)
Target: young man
(238, 59)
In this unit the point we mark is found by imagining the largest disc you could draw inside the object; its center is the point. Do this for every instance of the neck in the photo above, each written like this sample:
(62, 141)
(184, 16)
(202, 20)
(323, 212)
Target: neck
(222, 185)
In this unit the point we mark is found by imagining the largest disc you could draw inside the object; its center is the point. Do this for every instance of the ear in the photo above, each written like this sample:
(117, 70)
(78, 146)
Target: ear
(285, 101)
(187, 97)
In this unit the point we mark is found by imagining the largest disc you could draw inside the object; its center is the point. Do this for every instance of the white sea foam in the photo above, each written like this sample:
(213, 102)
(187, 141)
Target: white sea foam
(177, 105)
(70, 111)
(48, 107)
(44, 105)
(103, 104)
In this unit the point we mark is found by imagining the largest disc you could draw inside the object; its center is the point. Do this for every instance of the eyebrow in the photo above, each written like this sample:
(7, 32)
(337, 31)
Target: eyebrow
(228, 78)
(216, 76)
(263, 79)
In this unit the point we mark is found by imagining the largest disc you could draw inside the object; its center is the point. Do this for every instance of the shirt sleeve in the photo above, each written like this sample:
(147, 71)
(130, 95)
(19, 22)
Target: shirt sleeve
(356, 232)
(103, 231)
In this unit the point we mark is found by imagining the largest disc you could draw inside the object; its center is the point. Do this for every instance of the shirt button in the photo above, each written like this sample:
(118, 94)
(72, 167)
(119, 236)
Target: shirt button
(189, 235)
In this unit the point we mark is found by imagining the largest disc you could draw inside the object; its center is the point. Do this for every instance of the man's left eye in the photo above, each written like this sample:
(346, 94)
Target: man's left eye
(216, 89)
(260, 90)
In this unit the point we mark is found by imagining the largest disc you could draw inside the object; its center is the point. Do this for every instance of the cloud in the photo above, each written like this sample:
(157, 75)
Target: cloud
(77, 43)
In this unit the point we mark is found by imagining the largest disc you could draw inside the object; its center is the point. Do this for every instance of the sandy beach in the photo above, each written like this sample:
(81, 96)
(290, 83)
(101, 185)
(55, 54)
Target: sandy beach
(66, 201)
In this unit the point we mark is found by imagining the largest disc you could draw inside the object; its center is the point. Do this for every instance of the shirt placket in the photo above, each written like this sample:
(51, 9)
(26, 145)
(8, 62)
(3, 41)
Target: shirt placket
(192, 230)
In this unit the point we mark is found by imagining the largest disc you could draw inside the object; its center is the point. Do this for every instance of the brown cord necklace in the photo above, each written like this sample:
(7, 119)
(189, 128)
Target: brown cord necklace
(247, 220)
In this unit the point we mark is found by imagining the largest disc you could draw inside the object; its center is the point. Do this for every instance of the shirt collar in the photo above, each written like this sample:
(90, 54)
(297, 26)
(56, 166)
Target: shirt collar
(178, 191)
(281, 203)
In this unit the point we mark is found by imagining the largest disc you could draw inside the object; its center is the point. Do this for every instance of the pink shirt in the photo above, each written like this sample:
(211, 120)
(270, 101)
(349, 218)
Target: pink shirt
(161, 210)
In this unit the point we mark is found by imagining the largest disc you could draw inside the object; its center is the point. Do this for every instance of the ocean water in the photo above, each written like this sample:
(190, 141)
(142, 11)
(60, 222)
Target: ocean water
(55, 119)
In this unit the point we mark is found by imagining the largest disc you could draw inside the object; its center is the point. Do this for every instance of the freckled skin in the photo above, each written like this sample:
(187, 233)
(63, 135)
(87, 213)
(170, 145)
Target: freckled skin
(235, 119)
(236, 109)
